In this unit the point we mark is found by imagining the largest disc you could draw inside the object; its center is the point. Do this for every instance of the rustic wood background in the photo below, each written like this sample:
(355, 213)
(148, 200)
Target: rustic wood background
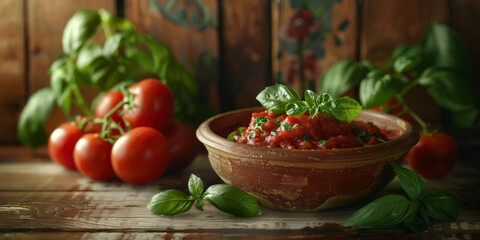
(234, 56)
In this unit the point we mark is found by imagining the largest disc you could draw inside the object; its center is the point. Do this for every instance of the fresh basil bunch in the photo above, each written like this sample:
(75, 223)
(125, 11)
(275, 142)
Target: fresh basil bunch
(226, 198)
(439, 63)
(124, 58)
(282, 99)
(413, 211)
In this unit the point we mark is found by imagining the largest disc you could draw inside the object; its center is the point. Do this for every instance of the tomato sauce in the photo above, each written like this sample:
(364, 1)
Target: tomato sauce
(304, 132)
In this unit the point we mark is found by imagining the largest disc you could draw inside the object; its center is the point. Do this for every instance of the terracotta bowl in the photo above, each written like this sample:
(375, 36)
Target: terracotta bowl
(305, 180)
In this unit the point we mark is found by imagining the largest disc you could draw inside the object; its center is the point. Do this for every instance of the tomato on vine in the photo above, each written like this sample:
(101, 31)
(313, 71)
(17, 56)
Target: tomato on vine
(140, 156)
(183, 145)
(154, 105)
(106, 103)
(92, 157)
(63, 139)
(434, 156)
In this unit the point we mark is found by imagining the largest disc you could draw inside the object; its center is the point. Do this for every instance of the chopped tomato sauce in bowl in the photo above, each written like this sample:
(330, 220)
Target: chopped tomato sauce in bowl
(302, 163)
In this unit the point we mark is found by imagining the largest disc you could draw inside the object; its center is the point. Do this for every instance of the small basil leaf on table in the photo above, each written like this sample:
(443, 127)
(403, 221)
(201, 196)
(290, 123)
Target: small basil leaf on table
(195, 186)
(170, 202)
(276, 97)
(411, 183)
(384, 212)
(199, 204)
(232, 200)
(441, 206)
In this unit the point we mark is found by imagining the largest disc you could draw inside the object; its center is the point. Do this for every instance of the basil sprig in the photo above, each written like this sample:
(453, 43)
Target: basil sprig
(282, 99)
(438, 63)
(226, 198)
(413, 211)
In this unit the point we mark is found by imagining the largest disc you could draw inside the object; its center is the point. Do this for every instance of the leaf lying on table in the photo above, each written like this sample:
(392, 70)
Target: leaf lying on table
(412, 212)
(226, 198)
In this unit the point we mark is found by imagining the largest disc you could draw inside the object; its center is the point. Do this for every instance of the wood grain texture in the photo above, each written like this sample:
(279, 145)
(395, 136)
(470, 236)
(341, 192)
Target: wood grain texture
(463, 15)
(388, 24)
(44, 201)
(12, 67)
(189, 32)
(246, 52)
(46, 21)
(338, 27)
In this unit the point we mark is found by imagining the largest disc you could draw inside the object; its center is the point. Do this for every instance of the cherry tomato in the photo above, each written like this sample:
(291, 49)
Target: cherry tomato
(433, 157)
(92, 157)
(154, 105)
(61, 144)
(183, 145)
(106, 103)
(140, 156)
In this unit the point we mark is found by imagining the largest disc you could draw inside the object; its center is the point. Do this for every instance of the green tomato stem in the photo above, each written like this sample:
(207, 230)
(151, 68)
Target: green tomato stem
(80, 102)
(417, 118)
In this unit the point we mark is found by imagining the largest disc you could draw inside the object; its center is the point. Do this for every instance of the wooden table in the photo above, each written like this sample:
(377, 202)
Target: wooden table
(41, 200)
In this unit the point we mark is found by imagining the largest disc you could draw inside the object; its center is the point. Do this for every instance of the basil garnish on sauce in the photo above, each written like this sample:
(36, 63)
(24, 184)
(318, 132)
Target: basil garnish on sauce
(282, 99)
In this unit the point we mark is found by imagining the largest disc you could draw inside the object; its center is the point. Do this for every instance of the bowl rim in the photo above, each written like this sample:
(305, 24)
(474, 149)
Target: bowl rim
(396, 146)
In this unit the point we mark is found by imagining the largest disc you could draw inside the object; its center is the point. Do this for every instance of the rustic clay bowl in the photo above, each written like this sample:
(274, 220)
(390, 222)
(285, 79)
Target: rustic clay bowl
(305, 180)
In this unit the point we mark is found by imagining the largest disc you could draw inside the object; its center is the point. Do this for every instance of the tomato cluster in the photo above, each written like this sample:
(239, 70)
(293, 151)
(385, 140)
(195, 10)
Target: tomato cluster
(146, 143)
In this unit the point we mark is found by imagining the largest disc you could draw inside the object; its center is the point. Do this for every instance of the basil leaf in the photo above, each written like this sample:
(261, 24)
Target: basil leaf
(409, 60)
(230, 137)
(409, 180)
(195, 186)
(384, 212)
(59, 84)
(418, 223)
(161, 56)
(444, 48)
(466, 118)
(199, 202)
(170, 202)
(104, 72)
(441, 206)
(88, 54)
(79, 31)
(343, 75)
(232, 200)
(30, 129)
(310, 97)
(449, 89)
(346, 109)
(275, 98)
(296, 108)
(379, 87)
(112, 44)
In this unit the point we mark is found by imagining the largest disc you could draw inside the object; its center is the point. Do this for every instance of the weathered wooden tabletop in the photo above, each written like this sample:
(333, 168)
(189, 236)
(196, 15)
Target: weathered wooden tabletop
(41, 200)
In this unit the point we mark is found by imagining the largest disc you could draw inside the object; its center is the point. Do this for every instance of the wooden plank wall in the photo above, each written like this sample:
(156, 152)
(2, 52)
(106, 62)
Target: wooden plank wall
(234, 48)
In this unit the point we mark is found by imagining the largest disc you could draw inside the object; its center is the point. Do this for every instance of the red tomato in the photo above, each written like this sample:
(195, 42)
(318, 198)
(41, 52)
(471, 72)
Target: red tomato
(154, 105)
(183, 145)
(433, 156)
(389, 107)
(106, 103)
(92, 157)
(140, 156)
(61, 144)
